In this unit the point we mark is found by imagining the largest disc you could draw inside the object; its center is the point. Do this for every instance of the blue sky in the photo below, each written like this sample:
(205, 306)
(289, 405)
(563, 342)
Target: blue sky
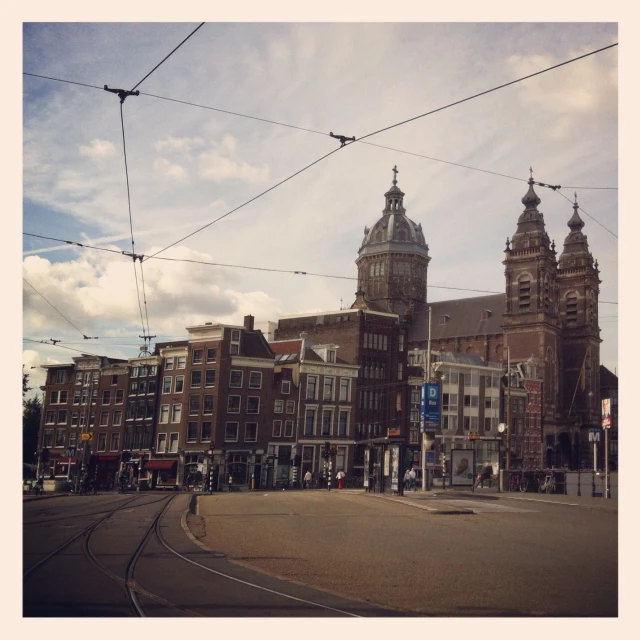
(188, 166)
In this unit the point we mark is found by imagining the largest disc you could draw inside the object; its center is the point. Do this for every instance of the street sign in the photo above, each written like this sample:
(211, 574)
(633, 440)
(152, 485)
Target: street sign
(430, 459)
(430, 407)
(473, 435)
(594, 435)
(85, 436)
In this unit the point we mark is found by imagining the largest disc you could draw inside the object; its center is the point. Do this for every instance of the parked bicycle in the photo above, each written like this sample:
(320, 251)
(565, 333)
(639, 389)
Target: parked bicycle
(518, 482)
(548, 485)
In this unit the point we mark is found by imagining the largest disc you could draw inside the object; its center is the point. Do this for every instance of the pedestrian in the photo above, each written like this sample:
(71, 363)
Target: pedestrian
(412, 479)
(230, 482)
(40, 486)
(307, 480)
(407, 479)
(340, 478)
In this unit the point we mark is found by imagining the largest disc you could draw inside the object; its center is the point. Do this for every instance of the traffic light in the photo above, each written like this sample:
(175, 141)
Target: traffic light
(325, 453)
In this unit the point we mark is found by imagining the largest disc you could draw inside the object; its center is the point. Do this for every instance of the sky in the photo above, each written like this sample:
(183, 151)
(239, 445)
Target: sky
(188, 166)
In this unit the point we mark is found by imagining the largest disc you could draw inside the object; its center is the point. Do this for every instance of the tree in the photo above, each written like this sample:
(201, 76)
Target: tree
(25, 382)
(31, 414)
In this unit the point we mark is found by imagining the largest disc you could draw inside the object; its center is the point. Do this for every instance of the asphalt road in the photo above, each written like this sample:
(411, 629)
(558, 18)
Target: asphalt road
(124, 555)
(442, 555)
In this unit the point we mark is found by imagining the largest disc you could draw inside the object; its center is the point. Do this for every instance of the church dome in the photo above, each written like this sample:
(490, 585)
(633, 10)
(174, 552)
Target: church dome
(394, 227)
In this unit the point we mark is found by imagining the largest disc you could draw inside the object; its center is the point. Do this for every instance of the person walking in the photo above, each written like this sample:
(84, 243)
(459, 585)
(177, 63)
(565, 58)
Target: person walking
(307, 480)
(230, 481)
(412, 479)
(407, 480)
(340, 478)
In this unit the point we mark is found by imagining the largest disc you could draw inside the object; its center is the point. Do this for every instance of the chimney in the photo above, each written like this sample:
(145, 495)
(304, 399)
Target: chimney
(248, 322)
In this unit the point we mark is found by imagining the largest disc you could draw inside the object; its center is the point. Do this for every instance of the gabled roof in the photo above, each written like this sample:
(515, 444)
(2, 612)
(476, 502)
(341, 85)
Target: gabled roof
(608, 380)
(462, 317)
(254, 345)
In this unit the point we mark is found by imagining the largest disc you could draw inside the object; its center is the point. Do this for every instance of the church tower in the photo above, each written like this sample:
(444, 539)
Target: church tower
(393, 259)
(531, 323)
(578, 280)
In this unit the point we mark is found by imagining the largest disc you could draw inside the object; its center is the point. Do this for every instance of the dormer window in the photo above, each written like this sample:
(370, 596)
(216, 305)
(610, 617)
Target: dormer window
(443, 319)
(484, 314)
(331, 355)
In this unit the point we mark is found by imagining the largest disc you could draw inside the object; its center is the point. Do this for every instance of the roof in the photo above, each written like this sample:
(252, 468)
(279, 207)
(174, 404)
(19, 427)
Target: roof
(464, 358)
(254, 345)
(608, 380)
(286, 346)
(463, 318)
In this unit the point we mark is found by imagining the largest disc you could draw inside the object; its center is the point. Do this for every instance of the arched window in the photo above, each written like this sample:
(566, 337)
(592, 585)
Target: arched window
(379, 236)
(371, 270)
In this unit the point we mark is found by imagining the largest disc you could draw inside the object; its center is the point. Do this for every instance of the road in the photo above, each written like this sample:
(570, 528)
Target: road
(448, 554)
(129, 555)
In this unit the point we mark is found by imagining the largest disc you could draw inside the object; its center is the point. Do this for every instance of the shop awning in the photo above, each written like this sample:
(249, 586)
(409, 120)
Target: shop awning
(159, 464)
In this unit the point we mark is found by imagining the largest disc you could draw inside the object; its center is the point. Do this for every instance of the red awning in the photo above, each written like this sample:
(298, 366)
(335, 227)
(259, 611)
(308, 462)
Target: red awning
(159, 464)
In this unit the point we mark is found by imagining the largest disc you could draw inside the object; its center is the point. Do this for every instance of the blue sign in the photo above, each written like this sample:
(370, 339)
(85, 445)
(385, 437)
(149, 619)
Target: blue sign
(430, 407)
(594, 435)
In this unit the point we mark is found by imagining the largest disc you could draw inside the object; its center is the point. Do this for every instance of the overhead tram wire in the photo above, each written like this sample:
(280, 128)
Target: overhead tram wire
(62, 347)
(373, 133)
(298, 272)
(59, 312)
(77, 244)
(587, 214)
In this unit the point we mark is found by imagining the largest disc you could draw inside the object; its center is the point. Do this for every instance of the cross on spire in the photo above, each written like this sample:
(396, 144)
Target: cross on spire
(395, 175)
(530, 173)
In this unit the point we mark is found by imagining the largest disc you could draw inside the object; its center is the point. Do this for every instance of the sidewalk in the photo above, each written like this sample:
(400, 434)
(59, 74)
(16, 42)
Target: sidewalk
(30, 497)
(492, 493)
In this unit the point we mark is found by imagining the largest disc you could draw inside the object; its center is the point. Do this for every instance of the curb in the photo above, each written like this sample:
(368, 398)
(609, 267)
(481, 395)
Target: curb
(430, 510)
(34, 498)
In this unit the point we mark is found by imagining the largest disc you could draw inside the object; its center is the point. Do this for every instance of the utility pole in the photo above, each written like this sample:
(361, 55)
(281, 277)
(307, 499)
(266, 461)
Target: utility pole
(426, 378)
(508, 462)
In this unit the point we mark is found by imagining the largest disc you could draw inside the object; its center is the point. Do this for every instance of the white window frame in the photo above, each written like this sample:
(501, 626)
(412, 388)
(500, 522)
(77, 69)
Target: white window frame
(204, 401)
(176, 408)
(177, 441)
(253, 413)
(278, 406)
(181, 362)
(229, 410)
(286, 424)
(74, 419)
(290, 404)
(246, 438)
(101, 442)
(236, 386)
(61, 379)
(206, 384)
(277, 429)
(161, 444)
(121, 392)
(226, 426)
(193, 356)
(215, 355)
(179, 380)
(315, 420)
(104, 418)
(117, 418)
(316, 385)
(169, 363)
(115, 435)
(255, 373)
(191, 384)
(331, 380)
(342, 410)
(164, 382)
(286, 386)
(195, 437)
(346, 397)
(326, 410)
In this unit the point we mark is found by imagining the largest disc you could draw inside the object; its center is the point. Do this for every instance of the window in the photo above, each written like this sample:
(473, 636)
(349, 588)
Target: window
(153, 370)
(309, 422)
(173, 443)
(471, 401)
(401, 342)
(286, 386)
(331, 355)
(176, 413)
(162, 443)
(114, 445)
(114, 379)
(181, 362)
(133, 388)
(205, 432)
(312, 382)
(450, 422)
(327, 393)
(179, 385)
(106, 396)
(142, 387)
(572, 309)
(291, 406)
(61, 377)
(192, 431)
(399, 370)
(211, 355)
(327, 414)
(119, 396)
(255, 380)
(76, 396)
(233, 404)
(85, 396)
(524, 293)
(168, 363)
(288, 428)
(62, 416)
(61, 435)
(74, 419)
(166, 384)
(466, 423)
(47, 438)
(135, 372)
(196, 356)
(54, 397)
(196, 379)
(82, 420)
(344, 389)
(253, 404)
(194, 405)
(277, 428)
(50, 417)
(234, 347)
(450, 401)
(231, 432)
(278, 406)
(210, 378)
(343, 421)
(251, 432)
(104, 418)
(207, 405)
(117, 418)
(235, 380)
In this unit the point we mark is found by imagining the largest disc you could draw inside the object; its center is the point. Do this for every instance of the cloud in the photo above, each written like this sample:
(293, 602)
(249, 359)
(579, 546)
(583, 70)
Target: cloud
(178, 145)
(170, 170)
(97, 149)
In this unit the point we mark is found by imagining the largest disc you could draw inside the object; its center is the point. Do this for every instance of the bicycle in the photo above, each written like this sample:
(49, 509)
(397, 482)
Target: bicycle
(519, 482)
(548, 485)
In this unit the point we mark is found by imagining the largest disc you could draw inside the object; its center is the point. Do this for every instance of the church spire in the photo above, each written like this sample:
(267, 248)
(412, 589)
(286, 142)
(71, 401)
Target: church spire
(530, 231)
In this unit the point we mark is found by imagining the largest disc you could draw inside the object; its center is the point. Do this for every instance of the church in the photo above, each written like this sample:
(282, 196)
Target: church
(546, 320)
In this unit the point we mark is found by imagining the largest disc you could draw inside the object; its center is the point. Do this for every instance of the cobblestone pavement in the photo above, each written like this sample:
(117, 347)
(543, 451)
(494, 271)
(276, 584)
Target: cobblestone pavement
(455, 555)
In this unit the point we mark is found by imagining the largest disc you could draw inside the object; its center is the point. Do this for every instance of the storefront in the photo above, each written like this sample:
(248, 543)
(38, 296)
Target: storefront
(106, 471)
(163, 473)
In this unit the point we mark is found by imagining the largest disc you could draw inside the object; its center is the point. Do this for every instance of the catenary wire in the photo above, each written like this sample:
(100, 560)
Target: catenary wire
(587, 214)
(168, 56)
(50, 344)
(56, 310)
(267, 269)
(368, 135)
